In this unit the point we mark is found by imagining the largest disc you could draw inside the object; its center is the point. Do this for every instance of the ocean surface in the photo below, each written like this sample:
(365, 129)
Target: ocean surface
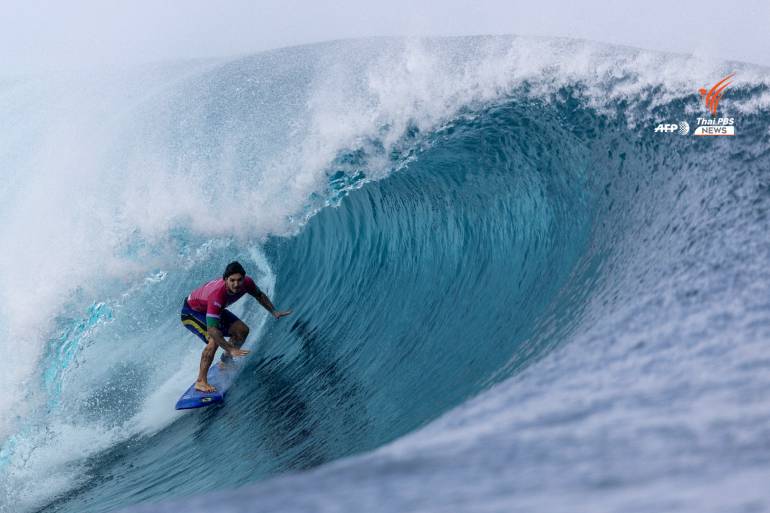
(510, 293)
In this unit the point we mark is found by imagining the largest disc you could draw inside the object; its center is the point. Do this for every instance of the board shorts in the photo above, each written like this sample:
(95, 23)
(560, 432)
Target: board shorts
(196, 321)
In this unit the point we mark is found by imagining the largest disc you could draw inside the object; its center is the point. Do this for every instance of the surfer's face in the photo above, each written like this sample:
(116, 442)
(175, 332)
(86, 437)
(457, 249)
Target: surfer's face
(234, 283)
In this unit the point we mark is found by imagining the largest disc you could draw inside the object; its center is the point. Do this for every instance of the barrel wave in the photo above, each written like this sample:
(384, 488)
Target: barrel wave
(506, 286)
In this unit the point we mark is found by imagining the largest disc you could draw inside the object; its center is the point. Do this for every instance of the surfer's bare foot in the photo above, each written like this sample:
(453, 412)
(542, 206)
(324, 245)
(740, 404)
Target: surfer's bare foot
(204, 387)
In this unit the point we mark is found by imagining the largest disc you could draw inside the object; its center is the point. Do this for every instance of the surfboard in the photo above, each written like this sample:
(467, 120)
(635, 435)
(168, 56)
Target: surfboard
(222, 377)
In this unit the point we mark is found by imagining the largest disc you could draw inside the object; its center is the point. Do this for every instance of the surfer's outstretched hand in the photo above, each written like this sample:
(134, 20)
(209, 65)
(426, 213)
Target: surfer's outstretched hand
(278, 314)
(238, 352)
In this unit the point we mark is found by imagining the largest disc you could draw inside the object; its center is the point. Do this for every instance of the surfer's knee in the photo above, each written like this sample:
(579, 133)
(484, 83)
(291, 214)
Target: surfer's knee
(240, 330)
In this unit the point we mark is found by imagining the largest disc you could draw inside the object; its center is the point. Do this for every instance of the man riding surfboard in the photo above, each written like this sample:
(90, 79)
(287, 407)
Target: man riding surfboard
(204, 313)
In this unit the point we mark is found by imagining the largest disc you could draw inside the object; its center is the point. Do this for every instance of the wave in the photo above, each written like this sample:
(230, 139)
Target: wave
(485, 222)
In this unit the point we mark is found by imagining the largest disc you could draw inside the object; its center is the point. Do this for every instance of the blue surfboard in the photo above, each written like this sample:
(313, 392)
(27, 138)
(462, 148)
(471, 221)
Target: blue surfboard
(222, 377)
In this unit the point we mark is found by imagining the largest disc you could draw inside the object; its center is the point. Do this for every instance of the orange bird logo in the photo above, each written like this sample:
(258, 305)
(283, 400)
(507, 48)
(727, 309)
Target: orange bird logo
(715, 93)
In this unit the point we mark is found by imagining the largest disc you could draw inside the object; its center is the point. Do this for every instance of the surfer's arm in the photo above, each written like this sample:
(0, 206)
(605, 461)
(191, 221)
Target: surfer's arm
(268, 305)
(261, 297)
(263, 300)
(216, 335)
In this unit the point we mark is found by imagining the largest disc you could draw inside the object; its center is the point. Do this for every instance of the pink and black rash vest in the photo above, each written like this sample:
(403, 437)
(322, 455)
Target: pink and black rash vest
(213, 297)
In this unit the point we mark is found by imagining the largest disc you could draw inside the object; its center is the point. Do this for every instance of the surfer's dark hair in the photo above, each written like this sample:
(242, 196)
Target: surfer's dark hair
(233, 268)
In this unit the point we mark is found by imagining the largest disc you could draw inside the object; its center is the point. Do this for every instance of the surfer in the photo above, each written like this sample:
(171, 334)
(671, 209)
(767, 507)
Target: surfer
(205, 314)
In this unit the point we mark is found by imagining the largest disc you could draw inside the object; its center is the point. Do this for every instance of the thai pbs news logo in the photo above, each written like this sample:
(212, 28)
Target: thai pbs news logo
(706, 126)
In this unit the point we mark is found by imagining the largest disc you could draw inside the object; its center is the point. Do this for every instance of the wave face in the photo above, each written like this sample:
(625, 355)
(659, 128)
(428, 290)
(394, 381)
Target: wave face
(506, 286)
